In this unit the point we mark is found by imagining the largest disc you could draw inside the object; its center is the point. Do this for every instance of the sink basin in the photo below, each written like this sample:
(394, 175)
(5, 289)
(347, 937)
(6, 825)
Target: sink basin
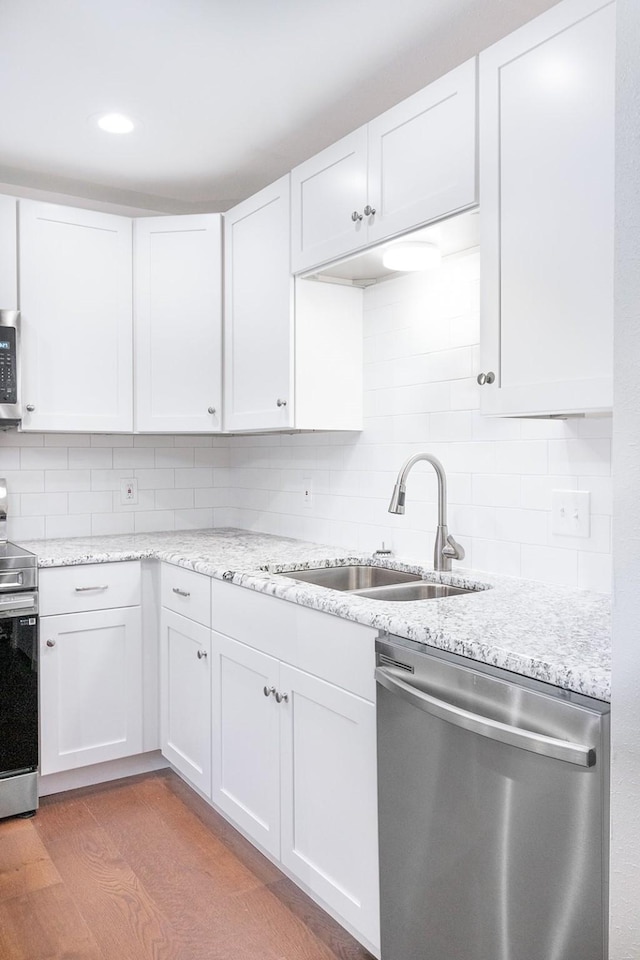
(423, 590)
(356, 577)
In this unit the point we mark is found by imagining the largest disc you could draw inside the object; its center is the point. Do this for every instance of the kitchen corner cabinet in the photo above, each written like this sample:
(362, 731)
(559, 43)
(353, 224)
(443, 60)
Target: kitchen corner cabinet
(294, 745)
(76, 305)
(178, 324)
(8, 253)
(91, 677)
(546, 189)
(413, 164)
(293, 349)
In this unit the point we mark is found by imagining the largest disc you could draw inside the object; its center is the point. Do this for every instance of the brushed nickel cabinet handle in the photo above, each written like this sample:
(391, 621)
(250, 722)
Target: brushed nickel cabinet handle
(181, 593)
(282, 696)
(103, 586)
(202, 654)
(51, 643)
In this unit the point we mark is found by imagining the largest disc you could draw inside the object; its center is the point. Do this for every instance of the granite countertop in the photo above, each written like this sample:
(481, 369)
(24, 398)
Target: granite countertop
(554, 634)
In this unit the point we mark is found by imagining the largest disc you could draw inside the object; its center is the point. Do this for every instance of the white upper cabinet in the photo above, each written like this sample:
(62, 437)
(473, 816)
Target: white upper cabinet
(178, 324)
(8, 253)
(328, 197)
(76, 304)
(422, 155)
(258, 318)
(547, 214)
(413, 164)
(293, 349)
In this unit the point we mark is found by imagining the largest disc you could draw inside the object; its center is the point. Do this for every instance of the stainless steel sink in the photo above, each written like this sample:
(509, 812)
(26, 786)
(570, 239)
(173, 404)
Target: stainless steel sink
(356, 577)
(424, 590)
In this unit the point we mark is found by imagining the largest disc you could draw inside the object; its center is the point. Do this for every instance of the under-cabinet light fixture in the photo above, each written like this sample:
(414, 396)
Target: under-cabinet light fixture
(407, 255)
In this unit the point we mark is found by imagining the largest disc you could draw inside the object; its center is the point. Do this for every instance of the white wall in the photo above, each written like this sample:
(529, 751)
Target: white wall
(421, 360)
(66, 485)
(625, 793)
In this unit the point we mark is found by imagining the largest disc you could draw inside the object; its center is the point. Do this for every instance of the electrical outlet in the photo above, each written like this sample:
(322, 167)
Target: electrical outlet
(570, 513)
(129, 491)
(307, 491)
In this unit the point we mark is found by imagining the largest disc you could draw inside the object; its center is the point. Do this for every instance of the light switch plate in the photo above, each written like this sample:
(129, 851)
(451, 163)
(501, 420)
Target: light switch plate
(571, 513)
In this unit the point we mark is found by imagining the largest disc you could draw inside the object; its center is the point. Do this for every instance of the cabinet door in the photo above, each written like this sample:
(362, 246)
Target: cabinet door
(259, 312)
(90, 688)
(329, 796)
(246, 766)
(8, 253)
(178, 324)
(326, 191)
(422, 155)
(76, 303)
(546, 183)
(185, 697)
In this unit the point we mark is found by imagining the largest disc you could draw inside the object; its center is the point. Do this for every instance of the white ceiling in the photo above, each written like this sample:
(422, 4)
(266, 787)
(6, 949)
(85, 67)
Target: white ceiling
(229, 94)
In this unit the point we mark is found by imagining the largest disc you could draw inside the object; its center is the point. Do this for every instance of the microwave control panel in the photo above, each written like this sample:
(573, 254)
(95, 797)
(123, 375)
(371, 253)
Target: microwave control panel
(8, 365)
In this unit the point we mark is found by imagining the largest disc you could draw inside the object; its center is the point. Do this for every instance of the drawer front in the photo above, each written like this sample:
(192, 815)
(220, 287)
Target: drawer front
(326, 646)
(90, 586)
(187, 593)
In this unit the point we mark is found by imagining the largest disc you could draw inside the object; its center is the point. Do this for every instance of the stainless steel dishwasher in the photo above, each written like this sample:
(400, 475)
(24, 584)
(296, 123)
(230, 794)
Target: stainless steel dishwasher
(493, 807)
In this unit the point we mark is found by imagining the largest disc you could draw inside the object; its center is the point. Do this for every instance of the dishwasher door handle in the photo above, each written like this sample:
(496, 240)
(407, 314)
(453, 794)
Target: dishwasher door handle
(575, 753)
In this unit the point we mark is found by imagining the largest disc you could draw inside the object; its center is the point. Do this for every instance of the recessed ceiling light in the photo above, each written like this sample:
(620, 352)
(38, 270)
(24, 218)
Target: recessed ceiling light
(115, 123)
(411, 255)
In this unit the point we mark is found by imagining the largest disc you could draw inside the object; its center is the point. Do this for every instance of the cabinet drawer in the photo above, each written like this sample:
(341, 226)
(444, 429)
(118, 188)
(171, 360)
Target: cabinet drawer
(187, 593)
(90, 586)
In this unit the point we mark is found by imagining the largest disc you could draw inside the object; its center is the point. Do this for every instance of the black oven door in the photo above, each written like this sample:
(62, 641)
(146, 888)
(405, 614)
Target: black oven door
(18, 694)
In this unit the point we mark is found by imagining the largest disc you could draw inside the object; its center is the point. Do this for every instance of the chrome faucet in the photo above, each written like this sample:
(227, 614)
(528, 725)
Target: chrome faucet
(446, 549)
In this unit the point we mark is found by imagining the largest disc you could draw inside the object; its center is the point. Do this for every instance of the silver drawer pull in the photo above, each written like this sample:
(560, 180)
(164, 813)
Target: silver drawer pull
(181, 593)
(202, 654)
(280, 697)
(103, 586)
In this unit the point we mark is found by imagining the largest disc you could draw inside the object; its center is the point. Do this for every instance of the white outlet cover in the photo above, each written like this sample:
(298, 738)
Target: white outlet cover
(571, 513)
(307, 491)
(129, 491)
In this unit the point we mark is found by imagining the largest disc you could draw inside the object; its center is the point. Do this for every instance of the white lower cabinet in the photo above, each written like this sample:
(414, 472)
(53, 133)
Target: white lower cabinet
(185, 697)
(328, 795)
(294, 765)
(90, 688)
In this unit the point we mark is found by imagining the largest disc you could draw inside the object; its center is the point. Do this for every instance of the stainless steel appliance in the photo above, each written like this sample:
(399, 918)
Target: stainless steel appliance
(18, 674)
(10, 405)
(493, 812)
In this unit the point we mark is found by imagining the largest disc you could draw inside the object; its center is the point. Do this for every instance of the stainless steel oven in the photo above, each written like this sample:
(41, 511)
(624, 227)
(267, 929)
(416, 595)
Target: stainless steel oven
(18, 681)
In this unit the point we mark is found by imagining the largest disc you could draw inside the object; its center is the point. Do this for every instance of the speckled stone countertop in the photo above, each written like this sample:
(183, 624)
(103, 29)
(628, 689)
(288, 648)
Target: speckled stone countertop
(554, 634)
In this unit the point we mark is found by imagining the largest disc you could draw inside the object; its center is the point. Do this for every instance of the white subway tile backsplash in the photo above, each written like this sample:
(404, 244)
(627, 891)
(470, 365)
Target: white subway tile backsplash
(92, 458)
(421, 340)
(44, 458)
(43, 504)
(132, 457)
(92, 502)
(549, 565)
(57, 480)
(70, 526)
(103, 524)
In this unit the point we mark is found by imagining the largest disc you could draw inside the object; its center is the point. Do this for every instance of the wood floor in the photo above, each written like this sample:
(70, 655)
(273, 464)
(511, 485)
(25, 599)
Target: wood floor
(143, 869)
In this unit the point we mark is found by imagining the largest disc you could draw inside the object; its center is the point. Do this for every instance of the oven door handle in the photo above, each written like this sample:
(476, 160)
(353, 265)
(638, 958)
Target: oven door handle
(576, 753)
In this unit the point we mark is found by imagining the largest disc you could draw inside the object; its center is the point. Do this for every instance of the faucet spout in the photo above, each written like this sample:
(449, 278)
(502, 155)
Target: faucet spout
(446, 549)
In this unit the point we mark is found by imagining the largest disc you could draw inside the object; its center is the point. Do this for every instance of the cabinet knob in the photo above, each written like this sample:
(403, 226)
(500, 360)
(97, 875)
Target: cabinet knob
(281, 403)
(369, 210)
(211, 410)
(202, 654)
(483, 378)
(268, 691)
(51, 643)
(31, 407)
(355, 216)
(282, 696)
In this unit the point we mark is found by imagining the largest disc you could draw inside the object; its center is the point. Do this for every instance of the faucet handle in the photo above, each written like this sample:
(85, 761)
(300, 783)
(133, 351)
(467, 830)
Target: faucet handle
(453, 550)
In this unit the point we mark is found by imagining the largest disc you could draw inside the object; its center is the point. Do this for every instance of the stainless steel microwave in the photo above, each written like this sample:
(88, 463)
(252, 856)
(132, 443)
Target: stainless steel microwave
(10, 404)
